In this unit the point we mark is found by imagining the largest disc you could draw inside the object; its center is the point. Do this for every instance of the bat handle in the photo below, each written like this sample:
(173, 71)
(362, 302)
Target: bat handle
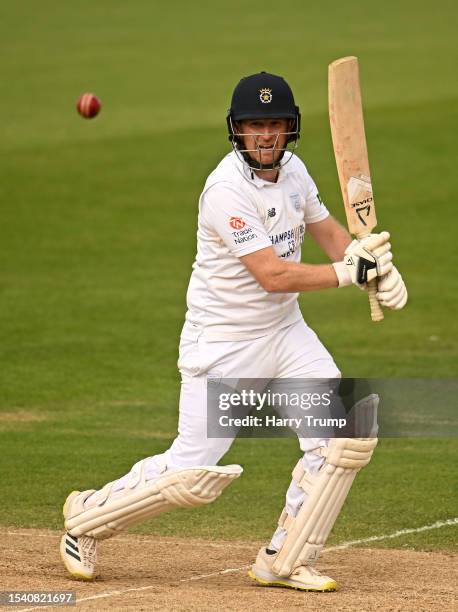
(376, 309)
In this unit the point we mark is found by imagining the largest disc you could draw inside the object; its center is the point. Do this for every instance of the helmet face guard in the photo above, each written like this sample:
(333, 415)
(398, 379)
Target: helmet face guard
(253, 157)
(263, 96)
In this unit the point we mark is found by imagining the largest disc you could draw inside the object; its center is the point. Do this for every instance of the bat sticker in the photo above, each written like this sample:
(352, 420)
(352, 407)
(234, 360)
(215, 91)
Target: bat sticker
(359, 211)
(360, 196)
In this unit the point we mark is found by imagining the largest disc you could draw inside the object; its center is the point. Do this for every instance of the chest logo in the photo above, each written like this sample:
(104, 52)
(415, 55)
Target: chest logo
(271, 212)
(295, 201)
(237, 223)
(265, 95)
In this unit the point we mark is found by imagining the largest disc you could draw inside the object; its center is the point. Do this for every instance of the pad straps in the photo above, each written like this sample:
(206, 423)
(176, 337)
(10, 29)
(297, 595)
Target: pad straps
(326, 493)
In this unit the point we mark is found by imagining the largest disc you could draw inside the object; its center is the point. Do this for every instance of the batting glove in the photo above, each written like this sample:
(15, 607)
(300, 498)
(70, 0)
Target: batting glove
(392, 292)
(364, 260)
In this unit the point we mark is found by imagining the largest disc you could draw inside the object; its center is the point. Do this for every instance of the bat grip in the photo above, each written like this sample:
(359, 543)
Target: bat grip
(376, 309)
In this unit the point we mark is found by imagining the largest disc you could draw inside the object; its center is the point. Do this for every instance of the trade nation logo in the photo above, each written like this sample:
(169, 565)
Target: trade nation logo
(237, 223)
(265, 95)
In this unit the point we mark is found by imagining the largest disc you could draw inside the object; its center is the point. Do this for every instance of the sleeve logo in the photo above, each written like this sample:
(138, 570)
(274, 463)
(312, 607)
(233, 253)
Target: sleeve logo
(237, 223)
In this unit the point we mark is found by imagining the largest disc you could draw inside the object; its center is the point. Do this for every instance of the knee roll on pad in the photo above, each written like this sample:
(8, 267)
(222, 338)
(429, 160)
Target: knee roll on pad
(141, 500)
(327, 490)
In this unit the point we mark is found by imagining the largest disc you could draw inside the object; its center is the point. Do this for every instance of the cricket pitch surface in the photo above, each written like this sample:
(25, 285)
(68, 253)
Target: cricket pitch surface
(151, 573)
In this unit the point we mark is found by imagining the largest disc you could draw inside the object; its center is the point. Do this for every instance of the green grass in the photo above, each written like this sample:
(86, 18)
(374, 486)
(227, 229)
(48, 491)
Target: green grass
(400, 490)
(98, 226)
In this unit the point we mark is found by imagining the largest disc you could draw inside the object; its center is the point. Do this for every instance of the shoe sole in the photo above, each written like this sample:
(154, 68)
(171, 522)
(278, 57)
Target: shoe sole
(328, 587)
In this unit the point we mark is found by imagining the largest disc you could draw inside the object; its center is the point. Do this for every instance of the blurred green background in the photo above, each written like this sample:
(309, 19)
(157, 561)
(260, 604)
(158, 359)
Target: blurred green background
(98, 222)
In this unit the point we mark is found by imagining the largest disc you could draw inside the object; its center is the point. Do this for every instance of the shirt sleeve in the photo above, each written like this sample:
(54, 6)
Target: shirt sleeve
(315, 209)
(234, 218)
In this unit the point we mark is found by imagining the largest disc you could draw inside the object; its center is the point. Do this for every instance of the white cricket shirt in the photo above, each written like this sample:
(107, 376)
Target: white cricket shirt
(239, 213)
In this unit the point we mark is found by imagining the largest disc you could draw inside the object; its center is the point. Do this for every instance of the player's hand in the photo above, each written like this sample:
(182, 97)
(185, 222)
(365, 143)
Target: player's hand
(369, 258)
(392, 292)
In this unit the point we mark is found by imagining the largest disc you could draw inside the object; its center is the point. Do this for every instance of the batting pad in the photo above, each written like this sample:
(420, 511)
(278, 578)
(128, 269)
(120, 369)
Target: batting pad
(141, 500)
(308, 531)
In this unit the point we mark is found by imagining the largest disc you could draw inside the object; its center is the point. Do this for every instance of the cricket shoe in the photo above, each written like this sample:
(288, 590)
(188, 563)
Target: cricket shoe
(303, 578)
(78, 554)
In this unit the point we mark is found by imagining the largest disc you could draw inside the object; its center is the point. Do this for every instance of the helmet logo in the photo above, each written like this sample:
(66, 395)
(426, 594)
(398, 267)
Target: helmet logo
(265, 95)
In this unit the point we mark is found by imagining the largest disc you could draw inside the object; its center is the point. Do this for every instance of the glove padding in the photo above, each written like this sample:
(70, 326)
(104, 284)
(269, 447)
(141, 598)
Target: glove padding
(368, 258)
(392, 292)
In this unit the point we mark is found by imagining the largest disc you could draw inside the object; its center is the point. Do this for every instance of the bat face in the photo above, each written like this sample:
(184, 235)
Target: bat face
(349, 140)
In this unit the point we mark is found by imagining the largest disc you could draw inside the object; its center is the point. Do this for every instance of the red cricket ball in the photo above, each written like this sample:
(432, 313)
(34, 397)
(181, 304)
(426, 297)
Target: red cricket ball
(88, 105)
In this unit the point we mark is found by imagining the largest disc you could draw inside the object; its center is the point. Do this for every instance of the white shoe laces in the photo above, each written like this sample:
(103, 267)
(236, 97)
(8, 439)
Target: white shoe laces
(89, 548)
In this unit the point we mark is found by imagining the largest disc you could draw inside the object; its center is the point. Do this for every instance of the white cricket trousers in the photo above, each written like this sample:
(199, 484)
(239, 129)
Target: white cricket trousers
(291, 352)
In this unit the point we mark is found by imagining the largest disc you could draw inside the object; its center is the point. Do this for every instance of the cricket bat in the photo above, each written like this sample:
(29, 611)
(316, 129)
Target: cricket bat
(350, 150)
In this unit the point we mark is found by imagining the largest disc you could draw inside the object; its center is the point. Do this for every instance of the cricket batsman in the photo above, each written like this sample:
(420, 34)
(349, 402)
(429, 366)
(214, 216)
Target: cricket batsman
(243, 321)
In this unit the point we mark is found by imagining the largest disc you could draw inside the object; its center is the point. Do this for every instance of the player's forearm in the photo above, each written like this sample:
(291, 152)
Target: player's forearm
(290, 277)
(331, 237)
(335, 248)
